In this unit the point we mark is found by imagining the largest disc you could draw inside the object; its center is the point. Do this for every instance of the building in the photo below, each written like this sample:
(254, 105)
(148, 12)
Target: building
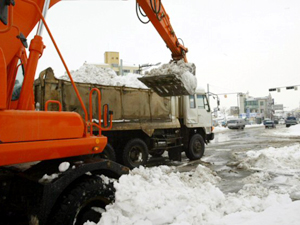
(258, 108)
(234, 111)
(278, 107)
(112, 60)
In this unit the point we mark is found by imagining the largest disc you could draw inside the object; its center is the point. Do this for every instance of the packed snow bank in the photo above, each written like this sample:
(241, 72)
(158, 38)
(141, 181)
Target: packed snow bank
(160, 195)
(220, 129)
(293, 131)
(183, 71)
(285, 160)
(89, 73)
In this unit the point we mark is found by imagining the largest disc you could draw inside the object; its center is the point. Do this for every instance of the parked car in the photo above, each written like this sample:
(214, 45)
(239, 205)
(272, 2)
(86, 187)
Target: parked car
(291, 120)
(281, 121)
(236, 124)
(224, 124)
(270, 124)
(265, 120)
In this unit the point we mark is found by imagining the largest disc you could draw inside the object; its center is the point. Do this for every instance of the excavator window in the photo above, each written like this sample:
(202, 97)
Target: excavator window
(18, 82)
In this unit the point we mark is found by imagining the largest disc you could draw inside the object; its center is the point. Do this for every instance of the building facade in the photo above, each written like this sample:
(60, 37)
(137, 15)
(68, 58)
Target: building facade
(259, 107)
(112, 60)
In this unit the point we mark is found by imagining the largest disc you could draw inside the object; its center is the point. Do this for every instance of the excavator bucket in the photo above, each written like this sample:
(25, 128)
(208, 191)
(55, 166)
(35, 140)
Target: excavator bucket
(166, 85)
(172, 79)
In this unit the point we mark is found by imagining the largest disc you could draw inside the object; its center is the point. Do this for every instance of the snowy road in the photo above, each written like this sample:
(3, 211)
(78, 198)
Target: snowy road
(222, 153)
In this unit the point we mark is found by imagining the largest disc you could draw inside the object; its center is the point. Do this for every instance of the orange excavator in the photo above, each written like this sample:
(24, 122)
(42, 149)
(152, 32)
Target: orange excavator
(43, 173)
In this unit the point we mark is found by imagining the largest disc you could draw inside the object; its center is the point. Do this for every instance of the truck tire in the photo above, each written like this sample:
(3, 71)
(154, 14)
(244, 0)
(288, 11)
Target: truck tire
(85, 201)
(108, 153)
(196, 147)
(135, 153)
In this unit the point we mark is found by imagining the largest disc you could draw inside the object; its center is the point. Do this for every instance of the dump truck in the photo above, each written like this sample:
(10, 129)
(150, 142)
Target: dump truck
(143, 122)
(48, 172)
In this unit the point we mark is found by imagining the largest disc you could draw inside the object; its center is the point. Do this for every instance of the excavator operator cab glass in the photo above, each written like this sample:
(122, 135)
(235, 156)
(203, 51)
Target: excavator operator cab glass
(18, 82)
(3, 11)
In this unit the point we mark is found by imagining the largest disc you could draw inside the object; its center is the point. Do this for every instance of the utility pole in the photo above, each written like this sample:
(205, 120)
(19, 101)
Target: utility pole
(208, 93)
(121, 67)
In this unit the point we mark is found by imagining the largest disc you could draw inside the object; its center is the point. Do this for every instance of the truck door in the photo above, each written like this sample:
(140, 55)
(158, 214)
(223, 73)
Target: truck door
(203, 111)
(191, 118)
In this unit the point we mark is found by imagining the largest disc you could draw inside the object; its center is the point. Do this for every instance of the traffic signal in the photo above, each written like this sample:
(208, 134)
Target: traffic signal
(225, 96)
(272, 89)
(290, 87)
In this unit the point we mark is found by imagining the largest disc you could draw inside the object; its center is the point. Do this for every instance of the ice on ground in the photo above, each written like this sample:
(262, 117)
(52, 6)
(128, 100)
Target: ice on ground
(89, 73)
(160, 195)
(182, 70)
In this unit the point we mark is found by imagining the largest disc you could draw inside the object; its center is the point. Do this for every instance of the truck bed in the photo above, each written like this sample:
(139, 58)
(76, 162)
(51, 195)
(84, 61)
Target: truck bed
(133, 108)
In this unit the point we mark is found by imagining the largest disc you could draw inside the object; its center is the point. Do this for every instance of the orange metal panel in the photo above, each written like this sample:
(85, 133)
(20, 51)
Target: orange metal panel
(20, 125)
(25, 18)
(15, 153)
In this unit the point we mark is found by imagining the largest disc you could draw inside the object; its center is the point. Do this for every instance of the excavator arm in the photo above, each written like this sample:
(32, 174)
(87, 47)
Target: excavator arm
(170, 84)
(158, 16)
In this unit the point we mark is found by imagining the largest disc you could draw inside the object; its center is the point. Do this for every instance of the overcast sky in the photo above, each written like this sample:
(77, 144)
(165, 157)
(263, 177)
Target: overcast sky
(237, 45)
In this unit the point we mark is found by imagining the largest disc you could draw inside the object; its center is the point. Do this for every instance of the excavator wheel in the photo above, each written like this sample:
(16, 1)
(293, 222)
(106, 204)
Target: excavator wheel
(85, 201)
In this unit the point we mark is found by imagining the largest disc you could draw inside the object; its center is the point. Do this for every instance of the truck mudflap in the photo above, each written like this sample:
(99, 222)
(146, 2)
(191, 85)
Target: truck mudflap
(41, 192)
(168, 85)
(210, 136)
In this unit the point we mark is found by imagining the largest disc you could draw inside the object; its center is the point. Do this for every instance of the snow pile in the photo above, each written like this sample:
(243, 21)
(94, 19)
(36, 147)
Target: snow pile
(183, 71)
(285, 160)
(220, 129)
(160, 195)
(89, 73)
(293, 131)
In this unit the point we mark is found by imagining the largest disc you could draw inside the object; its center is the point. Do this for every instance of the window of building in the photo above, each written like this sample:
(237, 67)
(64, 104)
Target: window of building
(261, 103)
(261, 111)
(192, 102)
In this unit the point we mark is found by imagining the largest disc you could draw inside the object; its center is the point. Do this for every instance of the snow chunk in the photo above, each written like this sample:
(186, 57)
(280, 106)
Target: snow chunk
(64, 166)
(182, 70)
(48, 178)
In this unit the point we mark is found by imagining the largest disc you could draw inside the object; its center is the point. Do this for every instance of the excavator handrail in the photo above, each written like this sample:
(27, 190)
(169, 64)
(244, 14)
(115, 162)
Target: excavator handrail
(61, 57)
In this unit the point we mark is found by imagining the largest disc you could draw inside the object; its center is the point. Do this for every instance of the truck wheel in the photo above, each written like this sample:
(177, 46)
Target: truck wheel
(157, 153)
(135, 153)
(108, 153)
(85, 201)
(196, 147)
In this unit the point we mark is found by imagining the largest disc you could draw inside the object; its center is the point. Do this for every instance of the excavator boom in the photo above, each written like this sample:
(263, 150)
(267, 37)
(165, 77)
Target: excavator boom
(165, 84)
